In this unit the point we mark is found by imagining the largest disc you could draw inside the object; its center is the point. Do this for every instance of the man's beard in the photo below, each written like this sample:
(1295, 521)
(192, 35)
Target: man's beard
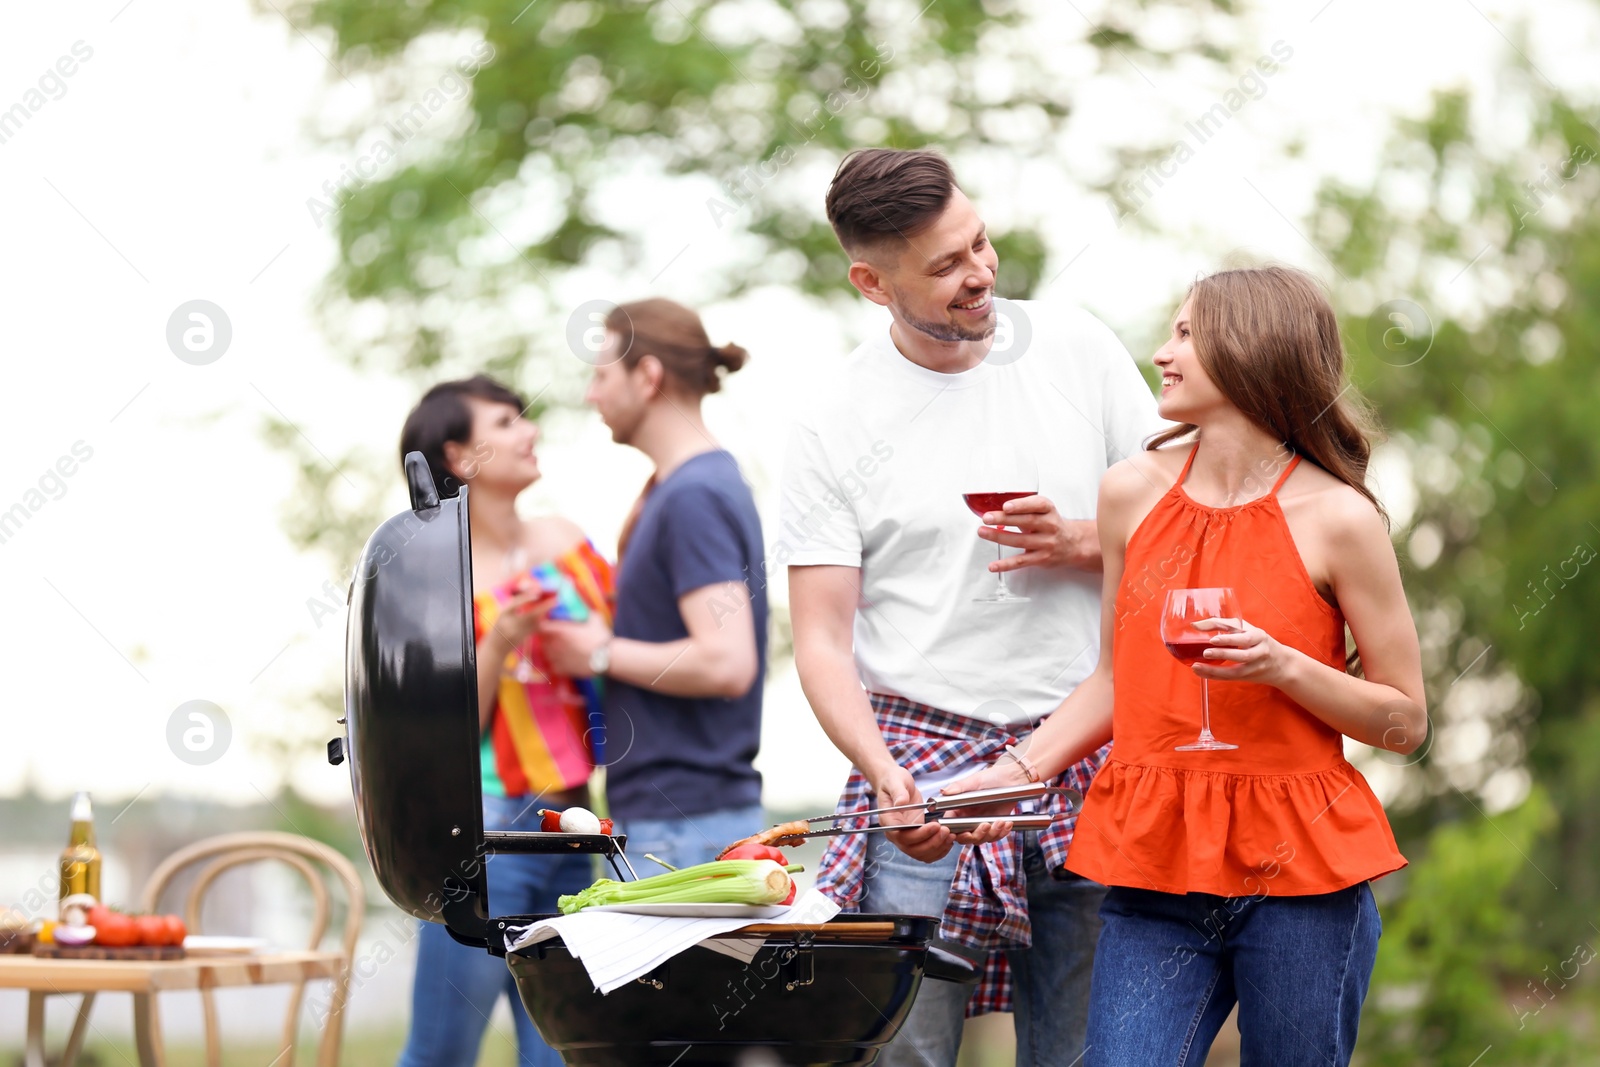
(625, 428)
(949, 331)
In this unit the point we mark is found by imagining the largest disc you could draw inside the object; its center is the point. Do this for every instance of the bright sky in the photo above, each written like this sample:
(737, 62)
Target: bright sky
(175, 166)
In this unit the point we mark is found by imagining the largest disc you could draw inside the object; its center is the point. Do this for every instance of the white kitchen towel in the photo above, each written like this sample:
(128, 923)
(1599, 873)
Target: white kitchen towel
(616, 947)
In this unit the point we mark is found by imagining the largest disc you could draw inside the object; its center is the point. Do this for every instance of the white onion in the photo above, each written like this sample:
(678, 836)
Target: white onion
(580, 821)
(73, 935)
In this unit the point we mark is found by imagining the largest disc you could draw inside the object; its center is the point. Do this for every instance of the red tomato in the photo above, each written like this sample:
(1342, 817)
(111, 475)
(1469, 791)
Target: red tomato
(152, 930)
(115, 930)
(753, 851)
(175, 929)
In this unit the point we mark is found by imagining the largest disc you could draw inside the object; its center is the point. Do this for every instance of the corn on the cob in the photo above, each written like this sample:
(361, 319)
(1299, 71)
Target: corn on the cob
(717, 882)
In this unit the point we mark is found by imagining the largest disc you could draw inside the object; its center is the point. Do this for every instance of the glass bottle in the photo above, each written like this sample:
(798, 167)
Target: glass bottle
(80, 860)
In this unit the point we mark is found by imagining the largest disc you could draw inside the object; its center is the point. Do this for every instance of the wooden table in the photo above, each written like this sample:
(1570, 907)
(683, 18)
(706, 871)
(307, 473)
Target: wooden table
(144, 979)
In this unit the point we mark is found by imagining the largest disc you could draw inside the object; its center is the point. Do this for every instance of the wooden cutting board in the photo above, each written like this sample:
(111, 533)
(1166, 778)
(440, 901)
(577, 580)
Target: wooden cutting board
(105, 952)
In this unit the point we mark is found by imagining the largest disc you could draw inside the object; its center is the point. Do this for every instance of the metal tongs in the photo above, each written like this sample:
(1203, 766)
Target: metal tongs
(933, 807)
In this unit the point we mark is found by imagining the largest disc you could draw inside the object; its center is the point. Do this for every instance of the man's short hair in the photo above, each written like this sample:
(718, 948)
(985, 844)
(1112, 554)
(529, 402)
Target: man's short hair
(884, 196)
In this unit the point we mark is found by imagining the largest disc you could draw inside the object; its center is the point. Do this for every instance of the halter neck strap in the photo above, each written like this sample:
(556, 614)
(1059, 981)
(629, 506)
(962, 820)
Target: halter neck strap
(1293, 463)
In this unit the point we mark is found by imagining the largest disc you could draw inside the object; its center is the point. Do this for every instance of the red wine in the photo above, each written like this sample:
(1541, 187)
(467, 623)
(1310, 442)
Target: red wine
(983, 503)
(1190, 651)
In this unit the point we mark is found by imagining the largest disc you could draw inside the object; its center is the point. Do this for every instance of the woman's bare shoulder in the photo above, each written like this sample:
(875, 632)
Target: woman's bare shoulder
(550, 536)
(1143, 473)
(1340, 510)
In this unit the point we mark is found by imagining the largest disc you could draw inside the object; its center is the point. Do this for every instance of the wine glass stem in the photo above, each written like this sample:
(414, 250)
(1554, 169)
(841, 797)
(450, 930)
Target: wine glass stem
(999, 554)
(1205, 707)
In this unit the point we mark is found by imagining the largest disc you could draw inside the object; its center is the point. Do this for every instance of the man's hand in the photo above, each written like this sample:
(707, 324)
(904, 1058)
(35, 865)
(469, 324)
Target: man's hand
(1047, 539)
(567, 645)
(928, 842)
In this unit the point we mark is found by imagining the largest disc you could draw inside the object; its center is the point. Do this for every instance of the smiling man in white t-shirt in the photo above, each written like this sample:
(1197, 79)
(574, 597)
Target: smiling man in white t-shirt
(912, 671)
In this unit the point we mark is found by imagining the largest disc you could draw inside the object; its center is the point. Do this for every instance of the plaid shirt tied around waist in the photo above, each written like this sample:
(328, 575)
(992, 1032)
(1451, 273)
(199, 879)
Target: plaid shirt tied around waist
(988, 906)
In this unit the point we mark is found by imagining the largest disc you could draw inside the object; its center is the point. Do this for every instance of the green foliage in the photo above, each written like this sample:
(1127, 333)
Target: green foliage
(1486, 382)
(1449, 979)
(494, 200)
(477, 181)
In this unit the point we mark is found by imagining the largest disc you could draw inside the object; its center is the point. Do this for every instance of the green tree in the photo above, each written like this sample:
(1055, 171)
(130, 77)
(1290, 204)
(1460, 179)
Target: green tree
(1471, 267)
(477, 177)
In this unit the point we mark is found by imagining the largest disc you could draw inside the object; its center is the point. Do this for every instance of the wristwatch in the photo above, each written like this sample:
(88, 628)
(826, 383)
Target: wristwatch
(600, 659)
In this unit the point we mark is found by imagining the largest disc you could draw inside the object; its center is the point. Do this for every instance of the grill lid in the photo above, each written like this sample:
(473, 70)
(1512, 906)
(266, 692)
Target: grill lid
(411, 710)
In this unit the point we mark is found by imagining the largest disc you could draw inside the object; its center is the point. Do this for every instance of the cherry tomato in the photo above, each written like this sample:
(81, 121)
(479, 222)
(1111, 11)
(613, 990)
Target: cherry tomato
(175, 929)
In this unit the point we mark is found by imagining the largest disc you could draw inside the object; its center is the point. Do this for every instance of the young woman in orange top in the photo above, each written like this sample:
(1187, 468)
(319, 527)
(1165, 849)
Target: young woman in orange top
(1239, 875)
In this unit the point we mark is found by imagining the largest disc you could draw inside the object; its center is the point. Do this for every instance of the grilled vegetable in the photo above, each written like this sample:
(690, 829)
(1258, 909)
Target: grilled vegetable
(788, 834)
(717, 882)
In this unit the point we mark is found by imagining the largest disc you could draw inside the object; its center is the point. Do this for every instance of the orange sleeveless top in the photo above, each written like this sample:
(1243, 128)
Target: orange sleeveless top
(1284, 813)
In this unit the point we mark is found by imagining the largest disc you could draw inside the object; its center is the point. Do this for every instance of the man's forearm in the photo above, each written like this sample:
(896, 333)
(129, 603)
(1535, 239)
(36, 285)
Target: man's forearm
(833, 687)
(681, 668)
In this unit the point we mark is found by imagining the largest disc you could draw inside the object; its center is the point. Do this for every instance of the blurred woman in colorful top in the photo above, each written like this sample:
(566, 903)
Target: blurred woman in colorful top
(537, 726)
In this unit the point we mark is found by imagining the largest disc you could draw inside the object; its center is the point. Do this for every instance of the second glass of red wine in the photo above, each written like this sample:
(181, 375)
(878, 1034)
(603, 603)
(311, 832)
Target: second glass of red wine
(993, 478)
(1184, 608)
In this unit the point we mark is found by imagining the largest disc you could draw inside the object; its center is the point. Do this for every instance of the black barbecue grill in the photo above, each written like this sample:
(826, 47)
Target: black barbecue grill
(832, 992)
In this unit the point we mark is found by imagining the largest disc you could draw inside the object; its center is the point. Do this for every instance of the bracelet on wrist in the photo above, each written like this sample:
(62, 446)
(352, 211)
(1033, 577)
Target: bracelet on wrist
(1028, 769)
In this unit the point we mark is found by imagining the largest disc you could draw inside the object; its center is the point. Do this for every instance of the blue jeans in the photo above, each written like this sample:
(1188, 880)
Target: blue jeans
(686, 840)
(1170, 969)
(1051, 978)
(456, 986)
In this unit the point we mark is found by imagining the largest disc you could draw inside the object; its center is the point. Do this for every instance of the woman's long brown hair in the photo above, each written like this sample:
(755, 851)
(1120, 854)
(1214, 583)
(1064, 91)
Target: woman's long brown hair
(1269, 339)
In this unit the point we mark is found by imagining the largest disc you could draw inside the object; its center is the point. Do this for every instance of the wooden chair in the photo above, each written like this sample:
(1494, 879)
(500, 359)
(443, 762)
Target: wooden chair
(227, 851)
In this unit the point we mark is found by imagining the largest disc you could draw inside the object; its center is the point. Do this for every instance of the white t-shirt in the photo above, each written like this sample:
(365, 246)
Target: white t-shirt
(873, 479)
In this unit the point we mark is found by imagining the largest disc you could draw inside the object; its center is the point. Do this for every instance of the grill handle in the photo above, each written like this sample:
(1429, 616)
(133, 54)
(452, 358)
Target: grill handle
(419, 480)
(947, 966)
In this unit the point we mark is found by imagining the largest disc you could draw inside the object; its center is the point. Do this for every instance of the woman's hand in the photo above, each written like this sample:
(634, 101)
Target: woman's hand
(1244, 653)
(519, 616)
(1000, 774)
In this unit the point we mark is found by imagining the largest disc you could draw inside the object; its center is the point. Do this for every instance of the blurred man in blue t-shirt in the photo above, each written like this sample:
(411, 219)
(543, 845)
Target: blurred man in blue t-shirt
(683, 668)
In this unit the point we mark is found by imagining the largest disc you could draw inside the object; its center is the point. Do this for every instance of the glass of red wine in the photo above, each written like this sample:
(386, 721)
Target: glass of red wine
(1182, 610)
(993, 477)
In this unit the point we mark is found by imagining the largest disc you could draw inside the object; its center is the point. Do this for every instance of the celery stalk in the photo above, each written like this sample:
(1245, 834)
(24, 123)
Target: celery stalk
(717, 882)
